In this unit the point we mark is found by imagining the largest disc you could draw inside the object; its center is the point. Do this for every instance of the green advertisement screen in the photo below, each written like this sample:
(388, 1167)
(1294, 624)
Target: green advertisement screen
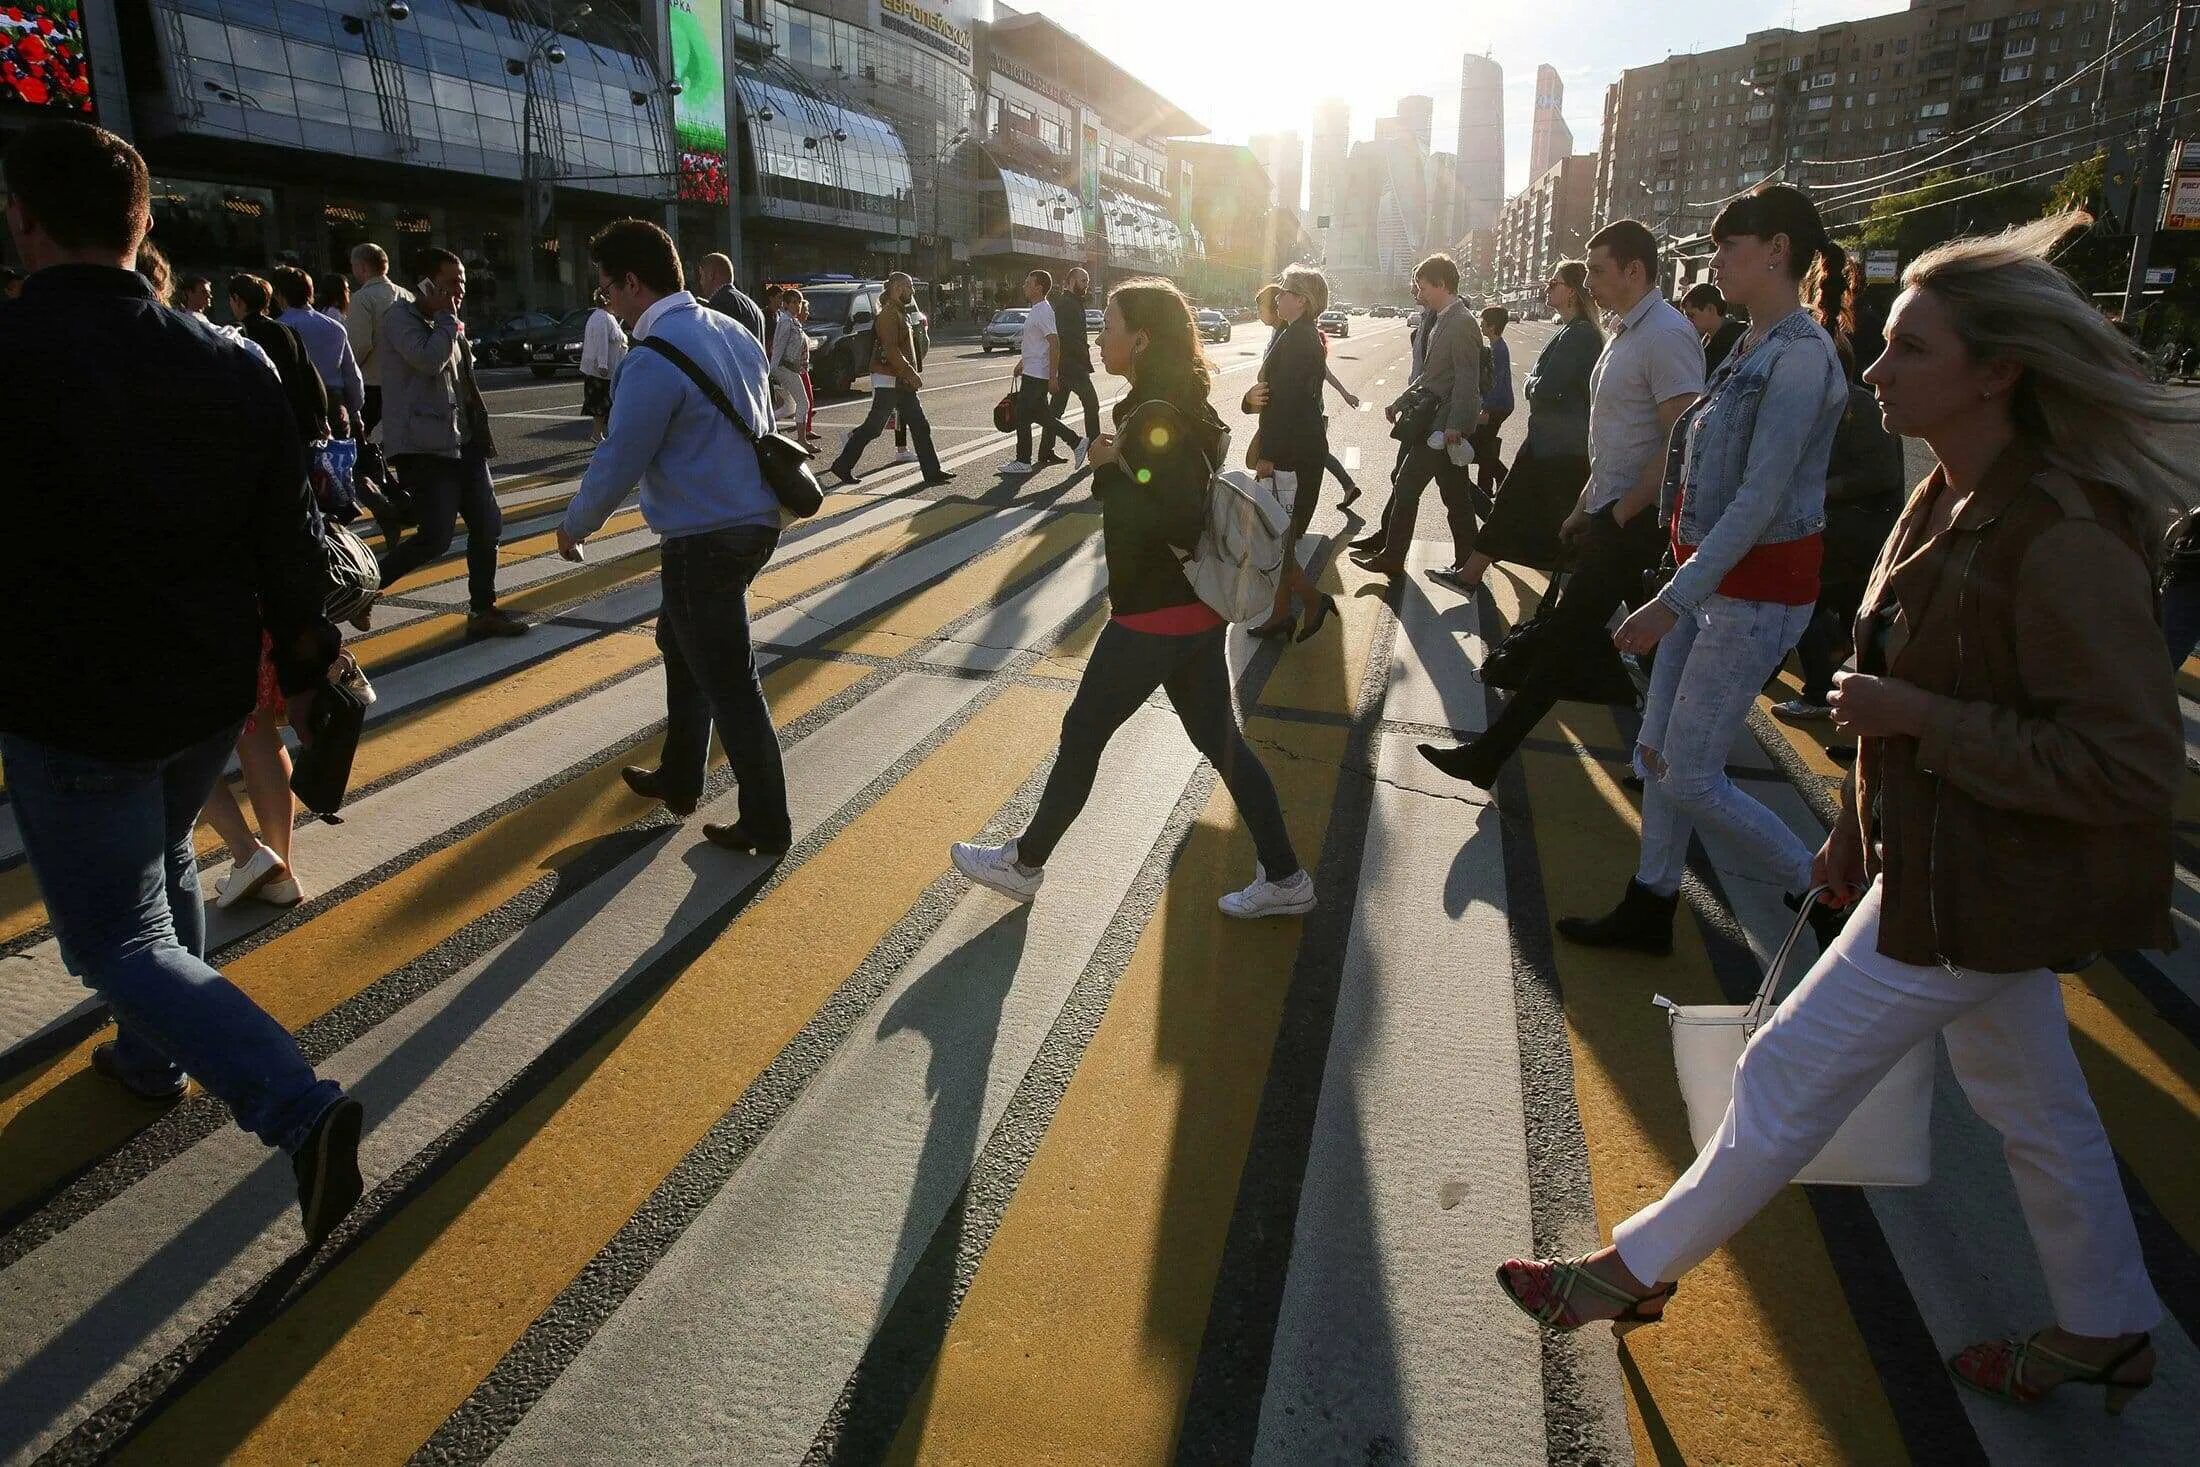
(699, 112)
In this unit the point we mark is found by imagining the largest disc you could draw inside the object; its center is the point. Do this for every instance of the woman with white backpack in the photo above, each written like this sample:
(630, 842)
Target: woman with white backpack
(1151, 479)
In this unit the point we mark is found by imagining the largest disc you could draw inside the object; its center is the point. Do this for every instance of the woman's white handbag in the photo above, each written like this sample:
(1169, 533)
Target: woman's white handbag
(1886, 1142)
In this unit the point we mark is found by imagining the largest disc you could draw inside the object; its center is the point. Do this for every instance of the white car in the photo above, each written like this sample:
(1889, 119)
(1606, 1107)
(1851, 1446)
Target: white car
(1005, 332)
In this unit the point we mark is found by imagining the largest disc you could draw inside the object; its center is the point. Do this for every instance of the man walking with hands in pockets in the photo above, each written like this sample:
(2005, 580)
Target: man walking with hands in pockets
(704, 493)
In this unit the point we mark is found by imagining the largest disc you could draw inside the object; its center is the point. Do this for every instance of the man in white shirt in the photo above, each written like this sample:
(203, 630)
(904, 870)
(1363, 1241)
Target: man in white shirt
(1042, 376)
(603, 343)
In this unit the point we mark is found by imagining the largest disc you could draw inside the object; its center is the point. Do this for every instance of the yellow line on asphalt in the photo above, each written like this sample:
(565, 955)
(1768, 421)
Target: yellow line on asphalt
(1077, 1340)
(384, 1347)
(447, 629)
(509, 554)
(2145, 1079)
(1323, 675)
(59, 1116)
(925, 613)
(1067, 661)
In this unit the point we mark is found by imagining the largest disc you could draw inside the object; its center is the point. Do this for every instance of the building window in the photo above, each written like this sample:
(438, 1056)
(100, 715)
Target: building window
(1933, 109)
(2020, 46)
(1973, 83)
(2016, 73)
(1902, 46)
(1982, 30)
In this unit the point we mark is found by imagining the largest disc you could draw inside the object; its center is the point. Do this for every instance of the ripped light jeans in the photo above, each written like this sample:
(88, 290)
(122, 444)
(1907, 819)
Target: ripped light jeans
(1709, 670)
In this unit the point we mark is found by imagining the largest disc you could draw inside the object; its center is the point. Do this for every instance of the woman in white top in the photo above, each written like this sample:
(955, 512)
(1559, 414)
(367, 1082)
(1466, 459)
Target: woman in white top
(603, 347)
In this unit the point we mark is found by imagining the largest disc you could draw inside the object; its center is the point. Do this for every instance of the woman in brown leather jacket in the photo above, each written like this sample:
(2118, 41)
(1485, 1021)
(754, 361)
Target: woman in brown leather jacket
(2009, 816)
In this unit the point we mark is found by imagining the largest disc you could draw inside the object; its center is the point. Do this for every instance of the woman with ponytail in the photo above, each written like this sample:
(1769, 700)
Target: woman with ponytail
(1744, 503)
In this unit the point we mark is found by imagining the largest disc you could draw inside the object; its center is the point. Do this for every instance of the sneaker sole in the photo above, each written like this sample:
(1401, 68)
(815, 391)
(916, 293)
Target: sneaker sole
(987, 880)
(232, 894)
(336, 1192)
(1294, 909)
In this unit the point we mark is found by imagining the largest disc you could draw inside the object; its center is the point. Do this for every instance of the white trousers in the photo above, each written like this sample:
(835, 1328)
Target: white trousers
(1835, 1037)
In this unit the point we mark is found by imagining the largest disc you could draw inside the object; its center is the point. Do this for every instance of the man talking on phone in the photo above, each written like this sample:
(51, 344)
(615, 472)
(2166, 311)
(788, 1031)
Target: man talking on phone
(435, 430)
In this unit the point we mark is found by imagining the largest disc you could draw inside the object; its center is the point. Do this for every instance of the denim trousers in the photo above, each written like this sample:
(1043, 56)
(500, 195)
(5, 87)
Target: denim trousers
(1031, 411)
(891, 402)
(1836, 1036)
(1125, 669)
(445, 490)
(109, 842)
(1710, 667)
(710, 673)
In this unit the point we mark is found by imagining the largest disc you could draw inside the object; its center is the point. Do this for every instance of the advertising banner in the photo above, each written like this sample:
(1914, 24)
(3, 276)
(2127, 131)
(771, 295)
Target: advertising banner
(1882, 267)
(698, 31)
(42, 60)
(2184, 195)
(940, 26)
(1089, 179)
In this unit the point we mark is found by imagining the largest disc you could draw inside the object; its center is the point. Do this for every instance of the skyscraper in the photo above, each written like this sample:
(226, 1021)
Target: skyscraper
(1481, 143)
(1551, 139)
(1417, 116)
(1332, 139)
(1283, 155)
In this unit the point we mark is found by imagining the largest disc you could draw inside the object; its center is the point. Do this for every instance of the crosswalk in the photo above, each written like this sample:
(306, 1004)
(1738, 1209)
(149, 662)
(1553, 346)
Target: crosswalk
(679, 1155)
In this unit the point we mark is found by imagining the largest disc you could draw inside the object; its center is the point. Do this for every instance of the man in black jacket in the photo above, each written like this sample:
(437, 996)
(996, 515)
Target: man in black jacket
(714, 284)
(1075, 366)
(1705, 308)
(249, 296)
(156, 523)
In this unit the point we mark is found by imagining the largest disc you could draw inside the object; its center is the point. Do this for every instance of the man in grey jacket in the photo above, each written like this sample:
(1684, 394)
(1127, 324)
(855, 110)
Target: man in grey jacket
(436, 433)
(1451, 375)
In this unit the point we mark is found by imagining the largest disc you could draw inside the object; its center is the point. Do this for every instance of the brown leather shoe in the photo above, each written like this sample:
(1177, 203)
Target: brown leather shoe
(495, 622)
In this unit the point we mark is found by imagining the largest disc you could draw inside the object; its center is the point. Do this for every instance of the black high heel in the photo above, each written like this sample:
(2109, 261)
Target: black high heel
(1275, 627)
(1317, 617)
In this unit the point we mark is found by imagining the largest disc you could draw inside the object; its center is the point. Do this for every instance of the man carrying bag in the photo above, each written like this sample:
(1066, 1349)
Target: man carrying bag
(705, 492)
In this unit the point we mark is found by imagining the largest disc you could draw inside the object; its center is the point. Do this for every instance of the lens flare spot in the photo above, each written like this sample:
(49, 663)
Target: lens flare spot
(1145, 476)
(1158, 436)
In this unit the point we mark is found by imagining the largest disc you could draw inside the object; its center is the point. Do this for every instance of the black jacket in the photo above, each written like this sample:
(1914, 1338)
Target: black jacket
(1147, 528)
(1069, 327)
(728, 300)
(154, 517)
(1719, 343)
(1293, 432)
(302, 385)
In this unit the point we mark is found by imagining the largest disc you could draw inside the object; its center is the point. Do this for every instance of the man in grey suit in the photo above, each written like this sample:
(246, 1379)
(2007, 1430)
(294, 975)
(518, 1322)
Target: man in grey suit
(1451, 375)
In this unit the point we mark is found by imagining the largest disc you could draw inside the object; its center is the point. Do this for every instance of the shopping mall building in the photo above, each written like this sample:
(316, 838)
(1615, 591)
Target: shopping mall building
(958, 139)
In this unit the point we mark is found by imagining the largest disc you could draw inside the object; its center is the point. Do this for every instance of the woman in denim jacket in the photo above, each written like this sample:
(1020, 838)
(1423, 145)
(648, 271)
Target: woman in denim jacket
(1744, 501)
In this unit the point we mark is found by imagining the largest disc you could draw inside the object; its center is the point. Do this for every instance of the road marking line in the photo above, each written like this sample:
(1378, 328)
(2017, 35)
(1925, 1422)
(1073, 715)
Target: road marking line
(925, 613)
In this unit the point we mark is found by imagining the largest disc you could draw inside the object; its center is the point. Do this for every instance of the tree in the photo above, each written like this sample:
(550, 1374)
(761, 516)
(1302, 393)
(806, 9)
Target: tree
(2080, 188)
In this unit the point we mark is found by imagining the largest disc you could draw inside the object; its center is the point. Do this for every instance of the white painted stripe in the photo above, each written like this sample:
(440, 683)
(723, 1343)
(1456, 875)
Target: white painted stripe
(537, 569)
(1439, 647)
(83, 1314)
(1351, 459)
(755, 1318)
(804, 619)
(1416, 1182)
(1029, 620)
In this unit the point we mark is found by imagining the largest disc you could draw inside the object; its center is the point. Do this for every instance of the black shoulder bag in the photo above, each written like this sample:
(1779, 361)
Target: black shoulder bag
(785, 463)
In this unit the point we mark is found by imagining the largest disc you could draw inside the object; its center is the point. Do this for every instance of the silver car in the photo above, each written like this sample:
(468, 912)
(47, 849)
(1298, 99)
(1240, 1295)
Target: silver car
(1005, 332)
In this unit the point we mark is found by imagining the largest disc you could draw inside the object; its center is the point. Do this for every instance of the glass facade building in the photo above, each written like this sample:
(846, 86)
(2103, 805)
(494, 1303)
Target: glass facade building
(817, 162)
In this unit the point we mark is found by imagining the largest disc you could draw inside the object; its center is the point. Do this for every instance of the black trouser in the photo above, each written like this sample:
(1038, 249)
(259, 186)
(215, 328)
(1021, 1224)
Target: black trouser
(1126, 667)
(1306, 496)
(1031, 410)
(1337, 468)
(445, 490)
(710, 674)
(1453, 481)
(1079, 386)
(1824, 642)
(372, 411)
(1489, 464)
(891, 402)
(1607, 566)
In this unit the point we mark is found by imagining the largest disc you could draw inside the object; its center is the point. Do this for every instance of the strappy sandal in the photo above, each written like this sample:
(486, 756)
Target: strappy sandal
(1996, 1368)
(1544, 1290)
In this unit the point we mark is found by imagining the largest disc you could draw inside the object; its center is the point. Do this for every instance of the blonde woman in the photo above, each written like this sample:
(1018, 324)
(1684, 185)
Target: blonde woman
(2009, 813)
(1293, 439)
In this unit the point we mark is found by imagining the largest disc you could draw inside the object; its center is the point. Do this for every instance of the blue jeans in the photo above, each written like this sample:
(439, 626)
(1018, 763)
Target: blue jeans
(109, 842)
(900, 404)
(710, 673)
(446, 490)
(1709, 670)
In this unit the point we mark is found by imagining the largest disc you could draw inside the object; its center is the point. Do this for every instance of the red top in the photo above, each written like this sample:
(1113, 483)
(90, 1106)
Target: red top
(1784, 573)
(1188, 620)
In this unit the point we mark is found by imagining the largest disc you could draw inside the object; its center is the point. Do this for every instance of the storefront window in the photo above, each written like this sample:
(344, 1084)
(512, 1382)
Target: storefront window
(213, 229)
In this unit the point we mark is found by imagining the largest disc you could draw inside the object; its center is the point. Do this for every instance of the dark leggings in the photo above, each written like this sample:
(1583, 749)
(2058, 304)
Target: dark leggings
(1307, 495)
(1126, 667)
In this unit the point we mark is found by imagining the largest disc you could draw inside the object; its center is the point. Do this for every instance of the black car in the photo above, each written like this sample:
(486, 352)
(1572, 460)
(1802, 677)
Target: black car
(559, 346)
(1213, 325)
(841, 315)
(506, 343)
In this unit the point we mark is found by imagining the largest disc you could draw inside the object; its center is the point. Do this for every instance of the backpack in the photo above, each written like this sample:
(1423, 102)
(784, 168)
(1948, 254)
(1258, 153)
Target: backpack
(1238, 562)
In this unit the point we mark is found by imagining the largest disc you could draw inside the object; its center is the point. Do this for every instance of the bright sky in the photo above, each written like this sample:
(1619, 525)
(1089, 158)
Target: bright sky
(1244, 69)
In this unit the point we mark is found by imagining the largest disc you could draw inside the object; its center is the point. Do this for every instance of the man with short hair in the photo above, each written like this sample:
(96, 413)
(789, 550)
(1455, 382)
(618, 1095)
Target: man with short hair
(714, 278)
(250, 296)
(195, 296)
(895, 382)
(328, 348)
(704, 492)
(1445, 397)
(1070, 304)
(1041, 368)
(373, 295)
(437, 436)
(1705, 308)
(1651, 372)
(138, 573)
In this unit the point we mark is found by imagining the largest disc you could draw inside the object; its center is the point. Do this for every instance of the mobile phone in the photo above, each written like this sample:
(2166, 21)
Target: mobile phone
(425, 288)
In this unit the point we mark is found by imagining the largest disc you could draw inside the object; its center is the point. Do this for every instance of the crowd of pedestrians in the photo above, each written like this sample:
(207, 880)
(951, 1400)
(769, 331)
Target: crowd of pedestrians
(1714, 484)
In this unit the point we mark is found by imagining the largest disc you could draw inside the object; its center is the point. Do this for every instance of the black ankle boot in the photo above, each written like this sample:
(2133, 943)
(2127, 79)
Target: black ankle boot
(1825, 922)
(1643, 921)
(1466, 761)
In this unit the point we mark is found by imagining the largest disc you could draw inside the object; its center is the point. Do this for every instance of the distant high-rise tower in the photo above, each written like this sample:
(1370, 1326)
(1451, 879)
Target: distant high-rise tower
(1481, 143)
(1417, 116)
(1284, 156)
(1332, 140)
(1552, 139)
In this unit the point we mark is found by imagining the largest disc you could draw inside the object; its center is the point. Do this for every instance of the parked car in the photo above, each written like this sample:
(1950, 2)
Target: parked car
(507, 342)
(841, 313)
(1093, 320)
(1005, 332)
(1335, 323)
(1213, 325)
(554, 348)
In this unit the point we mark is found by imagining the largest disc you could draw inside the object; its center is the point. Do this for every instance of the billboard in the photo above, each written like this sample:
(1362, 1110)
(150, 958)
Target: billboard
(698, 30)
(939, 26)
(42, 61)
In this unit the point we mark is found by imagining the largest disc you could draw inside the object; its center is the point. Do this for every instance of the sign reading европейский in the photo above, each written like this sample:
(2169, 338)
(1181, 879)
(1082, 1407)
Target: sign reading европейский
(940, 26)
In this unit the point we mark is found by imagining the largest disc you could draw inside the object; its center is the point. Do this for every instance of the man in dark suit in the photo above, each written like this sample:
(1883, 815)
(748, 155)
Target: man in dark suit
(302, 388)
(1705, 309)
(1075, 367)
(714, 280)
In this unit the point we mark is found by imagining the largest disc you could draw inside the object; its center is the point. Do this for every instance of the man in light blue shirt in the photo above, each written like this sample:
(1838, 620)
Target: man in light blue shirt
(704, 493)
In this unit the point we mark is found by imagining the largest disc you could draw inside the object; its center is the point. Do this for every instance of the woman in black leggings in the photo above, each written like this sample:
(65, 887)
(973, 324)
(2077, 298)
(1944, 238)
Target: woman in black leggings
(1153, 494)
(1292, 444)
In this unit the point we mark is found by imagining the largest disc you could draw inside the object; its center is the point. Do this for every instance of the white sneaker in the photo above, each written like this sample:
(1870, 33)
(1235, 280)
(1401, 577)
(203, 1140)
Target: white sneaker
(906, 456)
(1265, 898)
(1016, 466)
(283, 892)
(263, 867)
(1077, 458)
(996, 866)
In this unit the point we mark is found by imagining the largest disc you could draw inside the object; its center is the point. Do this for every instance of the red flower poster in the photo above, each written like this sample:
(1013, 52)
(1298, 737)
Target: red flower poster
(42, 60)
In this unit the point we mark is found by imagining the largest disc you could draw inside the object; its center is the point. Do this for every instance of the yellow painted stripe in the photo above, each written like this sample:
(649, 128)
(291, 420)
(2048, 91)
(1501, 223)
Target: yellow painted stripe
(1067, 661)
(369, 531)
(1809, 743)
(510, 553)
(1077, 1340)
(925, 613)
(2145, 1078)
(1807, 1391)
(430, 633)
(1324, 675)
(59, 1116)
(781, 584)
(395, 1337)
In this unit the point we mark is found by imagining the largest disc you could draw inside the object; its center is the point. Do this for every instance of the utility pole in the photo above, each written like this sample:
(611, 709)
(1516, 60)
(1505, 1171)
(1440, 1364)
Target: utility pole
(729, 18)
(2146, 205)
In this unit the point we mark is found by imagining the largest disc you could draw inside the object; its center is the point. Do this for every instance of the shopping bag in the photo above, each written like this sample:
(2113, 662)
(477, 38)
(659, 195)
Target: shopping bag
(1885, 1142)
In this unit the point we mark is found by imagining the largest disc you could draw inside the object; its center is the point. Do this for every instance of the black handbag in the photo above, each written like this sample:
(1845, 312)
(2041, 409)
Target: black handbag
(1538, 651)
(1417, 412)
(321, 772)
(784, 462)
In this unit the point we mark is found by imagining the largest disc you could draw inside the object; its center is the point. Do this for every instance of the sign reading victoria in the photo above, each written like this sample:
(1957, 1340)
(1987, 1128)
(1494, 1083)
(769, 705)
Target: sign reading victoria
(940, 26)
